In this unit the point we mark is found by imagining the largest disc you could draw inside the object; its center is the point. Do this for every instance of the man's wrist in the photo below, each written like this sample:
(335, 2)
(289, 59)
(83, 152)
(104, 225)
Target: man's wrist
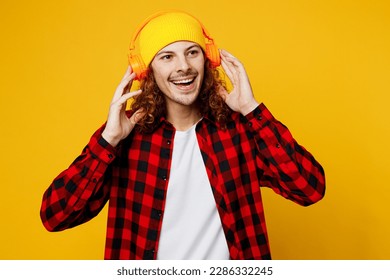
(111, 140)
(249, 107)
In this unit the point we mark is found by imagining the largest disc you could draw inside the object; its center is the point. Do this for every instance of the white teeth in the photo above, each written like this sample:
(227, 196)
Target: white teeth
(183, 81)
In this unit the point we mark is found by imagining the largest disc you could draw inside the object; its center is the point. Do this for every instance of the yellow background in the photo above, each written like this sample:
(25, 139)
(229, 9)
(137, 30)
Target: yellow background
(321, 67)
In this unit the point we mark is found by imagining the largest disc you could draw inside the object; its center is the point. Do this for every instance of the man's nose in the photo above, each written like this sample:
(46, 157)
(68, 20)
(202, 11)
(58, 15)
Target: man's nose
(182, 63)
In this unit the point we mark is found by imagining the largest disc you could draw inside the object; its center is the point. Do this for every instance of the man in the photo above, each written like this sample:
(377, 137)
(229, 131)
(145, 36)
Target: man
(182, 169)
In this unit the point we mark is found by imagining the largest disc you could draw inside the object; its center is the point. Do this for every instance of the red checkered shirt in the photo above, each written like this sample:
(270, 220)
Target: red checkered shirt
(254, 150)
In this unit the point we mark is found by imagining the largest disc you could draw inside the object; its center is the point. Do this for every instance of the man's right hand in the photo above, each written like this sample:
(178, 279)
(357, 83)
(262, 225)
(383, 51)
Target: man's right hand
(118, 125)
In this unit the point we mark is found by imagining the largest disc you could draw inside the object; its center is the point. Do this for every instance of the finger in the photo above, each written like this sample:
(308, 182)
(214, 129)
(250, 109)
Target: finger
(228, 57)
(237, 70)
(229, 61)
(121, 104)
(235, 62)
(127, 74)
(126, 80)
(137, 116)
(126, 96)
(227, 70)
(230, 71)
(225, 64)
(124, 85)
(223, 92)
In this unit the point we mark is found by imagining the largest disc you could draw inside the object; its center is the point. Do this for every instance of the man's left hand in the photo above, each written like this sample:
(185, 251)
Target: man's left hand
(241, 98)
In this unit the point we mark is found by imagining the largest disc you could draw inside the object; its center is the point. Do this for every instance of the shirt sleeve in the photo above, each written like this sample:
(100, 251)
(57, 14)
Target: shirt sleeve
(288, 168)
(79, 193)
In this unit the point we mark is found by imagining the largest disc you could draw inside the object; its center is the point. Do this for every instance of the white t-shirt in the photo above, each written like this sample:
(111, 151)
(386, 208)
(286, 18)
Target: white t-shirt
(191, 227)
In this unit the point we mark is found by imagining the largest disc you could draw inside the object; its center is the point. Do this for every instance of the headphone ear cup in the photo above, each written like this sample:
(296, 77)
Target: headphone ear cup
(212, 54)
(138, 66)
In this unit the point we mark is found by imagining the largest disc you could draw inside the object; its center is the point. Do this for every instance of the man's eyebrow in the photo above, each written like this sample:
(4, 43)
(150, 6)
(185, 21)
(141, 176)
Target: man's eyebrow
(164, 52)
(171, 52)
(194, 45)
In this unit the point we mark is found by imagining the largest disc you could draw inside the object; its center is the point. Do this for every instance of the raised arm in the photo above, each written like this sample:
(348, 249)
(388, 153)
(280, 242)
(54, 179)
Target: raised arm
(285, 166)
(78, 193)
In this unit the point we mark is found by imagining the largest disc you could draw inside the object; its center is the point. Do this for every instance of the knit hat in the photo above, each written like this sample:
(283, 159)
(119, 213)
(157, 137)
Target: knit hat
(166, 28)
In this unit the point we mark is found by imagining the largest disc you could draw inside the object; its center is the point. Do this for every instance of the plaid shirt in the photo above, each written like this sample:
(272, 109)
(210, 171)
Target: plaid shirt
(253, 151)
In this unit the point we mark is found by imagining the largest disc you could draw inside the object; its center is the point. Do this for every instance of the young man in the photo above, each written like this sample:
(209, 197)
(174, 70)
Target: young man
(182, 169)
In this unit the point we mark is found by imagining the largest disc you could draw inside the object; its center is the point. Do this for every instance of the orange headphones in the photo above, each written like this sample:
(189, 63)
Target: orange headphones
(137, 64)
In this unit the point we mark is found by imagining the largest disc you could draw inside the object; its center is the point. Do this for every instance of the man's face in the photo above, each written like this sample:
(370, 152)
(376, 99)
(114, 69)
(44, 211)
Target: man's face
(178, 70)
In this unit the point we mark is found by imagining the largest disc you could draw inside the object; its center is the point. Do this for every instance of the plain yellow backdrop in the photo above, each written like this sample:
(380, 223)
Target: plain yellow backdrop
(322, 68)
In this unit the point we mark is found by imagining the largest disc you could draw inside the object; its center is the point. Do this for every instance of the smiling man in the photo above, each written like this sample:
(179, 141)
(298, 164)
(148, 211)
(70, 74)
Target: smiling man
(182, 170)
(178, 70)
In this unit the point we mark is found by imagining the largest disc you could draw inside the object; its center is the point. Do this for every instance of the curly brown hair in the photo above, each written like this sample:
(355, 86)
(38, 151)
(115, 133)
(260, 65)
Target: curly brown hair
(152, 100)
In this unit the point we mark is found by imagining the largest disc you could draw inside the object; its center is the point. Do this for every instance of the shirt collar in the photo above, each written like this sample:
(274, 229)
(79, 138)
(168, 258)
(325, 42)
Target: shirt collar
(206, 117)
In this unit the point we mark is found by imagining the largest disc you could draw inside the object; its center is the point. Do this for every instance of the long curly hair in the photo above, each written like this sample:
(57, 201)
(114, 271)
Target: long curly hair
(152, 100)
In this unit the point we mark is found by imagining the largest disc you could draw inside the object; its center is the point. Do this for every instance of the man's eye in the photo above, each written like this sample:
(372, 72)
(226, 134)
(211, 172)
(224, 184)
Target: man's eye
(193, 52)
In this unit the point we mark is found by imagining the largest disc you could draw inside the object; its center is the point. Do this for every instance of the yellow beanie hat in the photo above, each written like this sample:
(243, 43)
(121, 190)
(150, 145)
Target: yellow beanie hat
(165, 28)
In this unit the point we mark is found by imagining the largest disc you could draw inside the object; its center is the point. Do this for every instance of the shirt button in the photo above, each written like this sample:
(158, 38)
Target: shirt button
(110, 156)
(250, 124)
(278, 145)
(259, 117)
(164, 178)
(169, 142)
